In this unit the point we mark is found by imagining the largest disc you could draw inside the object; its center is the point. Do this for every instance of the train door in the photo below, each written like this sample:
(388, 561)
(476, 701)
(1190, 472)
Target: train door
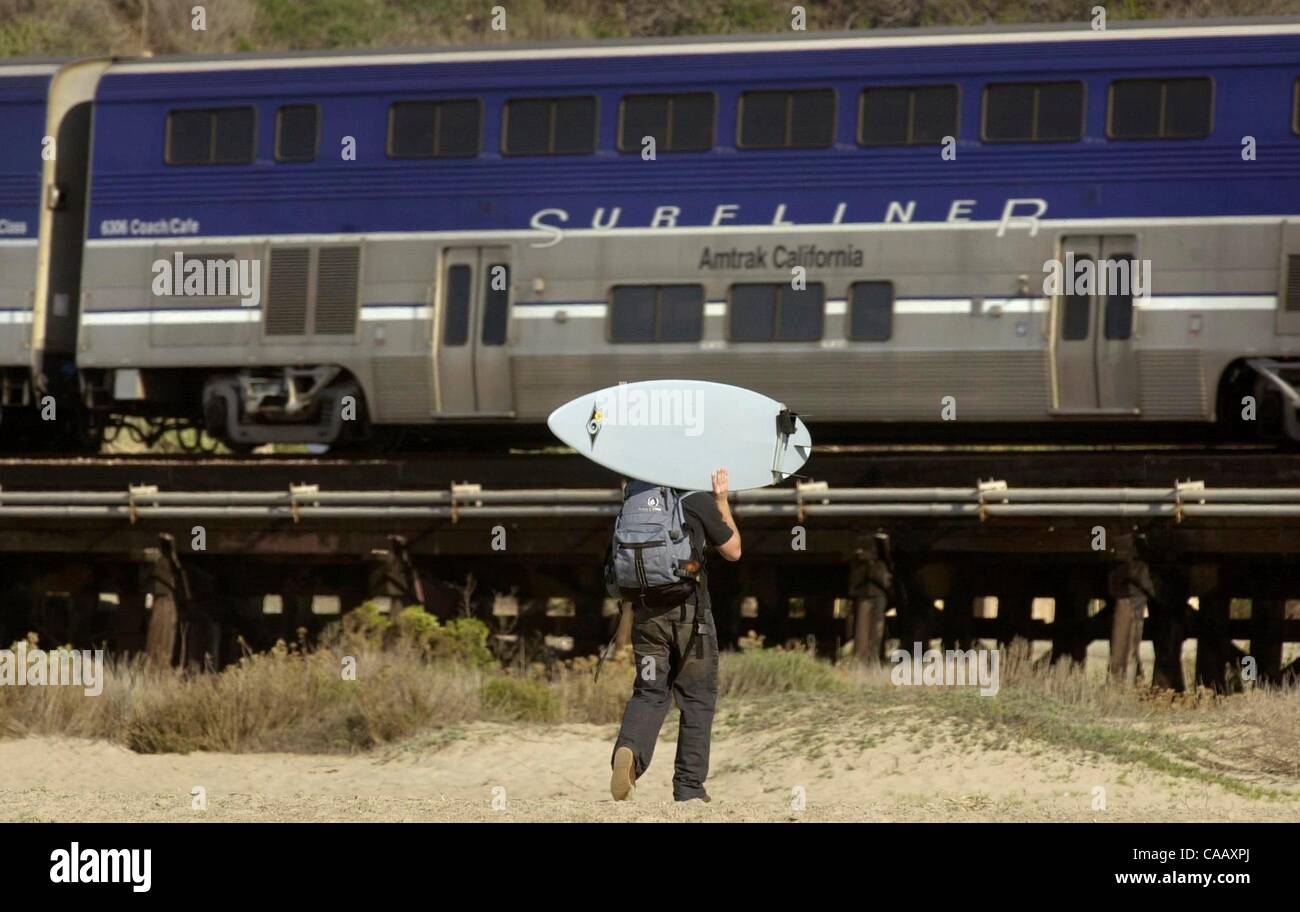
(1093, 360)
(472, 370)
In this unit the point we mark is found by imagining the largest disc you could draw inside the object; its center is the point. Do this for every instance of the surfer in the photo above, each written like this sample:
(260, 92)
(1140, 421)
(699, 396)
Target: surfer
(676, 647)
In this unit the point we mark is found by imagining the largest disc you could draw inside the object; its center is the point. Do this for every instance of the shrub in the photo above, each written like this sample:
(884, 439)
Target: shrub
(520, 699)
(758, 672)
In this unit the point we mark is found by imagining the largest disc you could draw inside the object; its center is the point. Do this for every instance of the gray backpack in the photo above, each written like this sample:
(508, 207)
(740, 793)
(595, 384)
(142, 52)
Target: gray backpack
(652, 559)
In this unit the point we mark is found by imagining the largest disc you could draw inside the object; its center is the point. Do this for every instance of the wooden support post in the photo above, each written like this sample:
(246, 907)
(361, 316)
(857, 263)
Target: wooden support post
(168, 586)
(395, 577)
(1266, 621)
(1015, 612)
(914, 608)
(958, 620)
(17, 599)
(295, 604)
(819, 619)
(869, 629)
(1130, 583)
(870, 586)
(1070, 624)
(82, 607)
(131, 622)
(1213, 644)
(1169, 620)
(1168, 631)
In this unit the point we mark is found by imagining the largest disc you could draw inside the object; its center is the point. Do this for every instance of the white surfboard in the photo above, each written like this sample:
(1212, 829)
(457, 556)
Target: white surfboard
(678, 432)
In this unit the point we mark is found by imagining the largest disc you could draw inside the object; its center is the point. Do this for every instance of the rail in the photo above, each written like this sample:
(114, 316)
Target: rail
(981, 501)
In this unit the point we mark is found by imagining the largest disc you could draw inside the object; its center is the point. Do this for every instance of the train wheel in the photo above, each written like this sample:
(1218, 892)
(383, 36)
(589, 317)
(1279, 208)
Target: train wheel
(214, 424)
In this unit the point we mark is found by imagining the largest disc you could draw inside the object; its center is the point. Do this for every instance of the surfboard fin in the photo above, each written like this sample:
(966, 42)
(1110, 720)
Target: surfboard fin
(787, 422)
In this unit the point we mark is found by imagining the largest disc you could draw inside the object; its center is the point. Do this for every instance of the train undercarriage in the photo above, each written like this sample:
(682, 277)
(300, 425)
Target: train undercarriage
(1258, 400)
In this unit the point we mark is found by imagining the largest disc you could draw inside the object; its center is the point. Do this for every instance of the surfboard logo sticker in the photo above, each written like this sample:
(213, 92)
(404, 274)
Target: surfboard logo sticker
(595, 423)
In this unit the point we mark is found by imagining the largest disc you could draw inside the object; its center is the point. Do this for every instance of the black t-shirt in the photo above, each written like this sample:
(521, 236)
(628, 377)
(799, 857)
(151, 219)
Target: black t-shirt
(707, 530)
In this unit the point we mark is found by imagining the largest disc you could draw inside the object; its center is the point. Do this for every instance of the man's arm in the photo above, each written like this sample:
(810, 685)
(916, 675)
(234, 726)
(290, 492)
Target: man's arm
(730, 549)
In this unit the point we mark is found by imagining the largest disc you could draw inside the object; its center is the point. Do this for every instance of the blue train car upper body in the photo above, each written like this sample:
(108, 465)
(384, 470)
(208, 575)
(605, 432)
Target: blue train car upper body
(22, 113)
(1253, 73)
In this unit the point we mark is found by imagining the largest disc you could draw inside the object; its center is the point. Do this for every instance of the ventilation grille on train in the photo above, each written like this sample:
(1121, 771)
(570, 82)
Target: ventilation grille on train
(337, 272)
(286, 302)
(1293, 282)
(331, 300)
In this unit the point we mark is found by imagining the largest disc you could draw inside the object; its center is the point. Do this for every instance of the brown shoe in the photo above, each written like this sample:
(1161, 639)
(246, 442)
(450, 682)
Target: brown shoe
(622, 784)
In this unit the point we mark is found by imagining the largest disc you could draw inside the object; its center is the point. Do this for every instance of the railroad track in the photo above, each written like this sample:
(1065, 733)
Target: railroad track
(1183, 502)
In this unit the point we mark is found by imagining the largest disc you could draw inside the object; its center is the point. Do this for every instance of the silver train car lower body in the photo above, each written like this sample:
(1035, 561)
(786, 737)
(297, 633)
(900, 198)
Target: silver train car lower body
(17, 291)
(394, 331)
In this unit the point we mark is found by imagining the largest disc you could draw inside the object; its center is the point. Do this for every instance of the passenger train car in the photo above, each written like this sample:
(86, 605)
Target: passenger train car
(23, 88)
(858, 225)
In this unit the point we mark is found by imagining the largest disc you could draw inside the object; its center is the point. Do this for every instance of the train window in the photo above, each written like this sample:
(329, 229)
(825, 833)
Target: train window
(632, 313)
(232, 136)
(752, 313)
(678, 123)
(1076, 319)
(455, 319)
(550, 126)
(787, 120)
(296, 133)
(1118, 321)
(917, 115)
(459, 127)
(1186, 108)
(528, 127)
(214, 136)
(434, 129)
(766, 313)
(1160, 108)
(496, 304)
(189, 138)
(411, 129)
(656, 313)
(871, 311)
(800, 313)
(1033, 112)
(681, 313)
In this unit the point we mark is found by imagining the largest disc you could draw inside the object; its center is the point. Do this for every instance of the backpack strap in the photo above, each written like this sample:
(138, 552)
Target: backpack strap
(698, 548)
(696, 640)
(618, 624)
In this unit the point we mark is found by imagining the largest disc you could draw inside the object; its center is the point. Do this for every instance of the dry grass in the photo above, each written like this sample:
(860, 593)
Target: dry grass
(414, 677)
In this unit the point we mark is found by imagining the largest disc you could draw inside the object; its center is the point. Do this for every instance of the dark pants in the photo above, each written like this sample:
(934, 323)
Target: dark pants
(669, 665)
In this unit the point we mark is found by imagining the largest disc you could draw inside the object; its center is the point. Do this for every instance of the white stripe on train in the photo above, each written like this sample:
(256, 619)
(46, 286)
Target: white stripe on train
(487, 236)
(834, 307)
